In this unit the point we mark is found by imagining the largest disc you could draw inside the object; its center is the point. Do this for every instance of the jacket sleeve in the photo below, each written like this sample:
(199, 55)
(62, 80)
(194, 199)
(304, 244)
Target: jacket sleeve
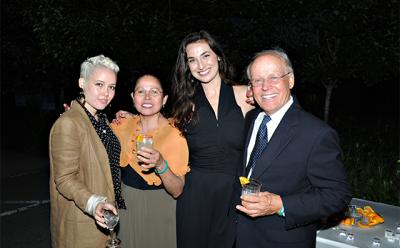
(329, 191)
(65, 148)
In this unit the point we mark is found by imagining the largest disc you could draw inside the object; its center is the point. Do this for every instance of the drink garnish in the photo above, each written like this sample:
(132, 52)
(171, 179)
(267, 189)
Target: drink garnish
(244, 180)
(140, 138)
(369, 218)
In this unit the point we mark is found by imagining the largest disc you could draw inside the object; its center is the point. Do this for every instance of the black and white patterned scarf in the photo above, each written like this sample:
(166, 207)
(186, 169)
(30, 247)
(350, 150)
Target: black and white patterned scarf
(113, 148)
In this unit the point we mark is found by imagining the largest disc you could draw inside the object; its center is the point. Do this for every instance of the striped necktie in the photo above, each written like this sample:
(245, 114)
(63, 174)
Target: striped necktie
(261, 143)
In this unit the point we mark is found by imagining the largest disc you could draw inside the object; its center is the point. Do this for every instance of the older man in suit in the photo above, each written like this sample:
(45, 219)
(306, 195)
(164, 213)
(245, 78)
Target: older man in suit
(294, 155)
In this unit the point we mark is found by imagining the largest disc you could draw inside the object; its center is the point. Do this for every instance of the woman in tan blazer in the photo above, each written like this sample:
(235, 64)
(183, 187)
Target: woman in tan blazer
(84, 161)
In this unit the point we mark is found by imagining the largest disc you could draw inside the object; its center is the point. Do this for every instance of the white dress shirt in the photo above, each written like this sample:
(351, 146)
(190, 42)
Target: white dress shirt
(271, 126)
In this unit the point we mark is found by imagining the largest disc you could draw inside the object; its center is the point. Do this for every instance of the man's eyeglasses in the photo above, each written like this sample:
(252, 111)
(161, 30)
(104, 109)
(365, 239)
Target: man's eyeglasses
(153, 92)
(258, 82)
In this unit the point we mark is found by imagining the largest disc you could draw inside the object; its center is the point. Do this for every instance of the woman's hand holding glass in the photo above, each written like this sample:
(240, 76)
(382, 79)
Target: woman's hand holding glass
(111, 220)
(150, 158)
(99, 213)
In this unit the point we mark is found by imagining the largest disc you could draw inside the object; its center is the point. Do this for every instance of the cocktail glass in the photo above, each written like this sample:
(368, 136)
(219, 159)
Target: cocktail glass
(111, 222)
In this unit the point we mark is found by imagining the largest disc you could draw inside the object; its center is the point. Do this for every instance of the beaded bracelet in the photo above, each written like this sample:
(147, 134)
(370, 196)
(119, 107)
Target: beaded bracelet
(282, 212)
(163, 170)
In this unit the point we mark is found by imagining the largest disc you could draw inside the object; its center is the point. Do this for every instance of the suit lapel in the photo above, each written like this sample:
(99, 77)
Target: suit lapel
(100, 157)
(279, 140)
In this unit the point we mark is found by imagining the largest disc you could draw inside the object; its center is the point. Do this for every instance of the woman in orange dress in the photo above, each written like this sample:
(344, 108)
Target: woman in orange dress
(152, 177)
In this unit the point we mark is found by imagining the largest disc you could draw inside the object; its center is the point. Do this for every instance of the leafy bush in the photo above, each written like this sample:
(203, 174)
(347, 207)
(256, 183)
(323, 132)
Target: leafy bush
(371, 163)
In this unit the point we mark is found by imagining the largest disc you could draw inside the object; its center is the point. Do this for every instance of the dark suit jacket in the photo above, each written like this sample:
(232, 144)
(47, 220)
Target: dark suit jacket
(301, 164)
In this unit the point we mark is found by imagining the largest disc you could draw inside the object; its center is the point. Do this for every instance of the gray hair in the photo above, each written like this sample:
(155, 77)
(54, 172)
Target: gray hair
(88, 66)
(277, 52)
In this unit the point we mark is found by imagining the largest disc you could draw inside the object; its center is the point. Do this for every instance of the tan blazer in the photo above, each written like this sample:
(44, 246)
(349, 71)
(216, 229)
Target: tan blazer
(79, 167)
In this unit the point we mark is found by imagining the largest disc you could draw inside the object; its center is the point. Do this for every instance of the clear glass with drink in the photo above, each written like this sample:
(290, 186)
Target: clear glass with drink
(353, 213)
(111, 222)
(251, 188)
(143, 140)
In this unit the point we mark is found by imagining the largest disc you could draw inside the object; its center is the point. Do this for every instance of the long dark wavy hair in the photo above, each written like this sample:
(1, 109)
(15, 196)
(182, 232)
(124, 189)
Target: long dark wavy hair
(184, 85)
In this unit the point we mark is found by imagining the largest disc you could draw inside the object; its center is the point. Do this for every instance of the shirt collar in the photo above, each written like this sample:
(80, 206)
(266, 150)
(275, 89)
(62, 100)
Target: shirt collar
(278, 115)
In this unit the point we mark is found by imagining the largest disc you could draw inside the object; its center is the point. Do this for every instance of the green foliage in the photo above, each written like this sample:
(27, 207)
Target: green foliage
(371, 162)
(140, 34)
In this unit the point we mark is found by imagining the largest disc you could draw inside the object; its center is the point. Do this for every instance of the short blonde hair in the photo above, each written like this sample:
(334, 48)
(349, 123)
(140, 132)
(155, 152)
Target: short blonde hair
(90, 64)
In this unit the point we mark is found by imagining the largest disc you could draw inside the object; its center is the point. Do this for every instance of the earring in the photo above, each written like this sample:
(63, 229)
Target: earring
(81, 95)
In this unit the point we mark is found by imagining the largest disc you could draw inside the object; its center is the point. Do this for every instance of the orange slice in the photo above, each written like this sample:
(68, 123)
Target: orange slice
(139, 138)
(244, 180)
(348, 221)
(368, 213)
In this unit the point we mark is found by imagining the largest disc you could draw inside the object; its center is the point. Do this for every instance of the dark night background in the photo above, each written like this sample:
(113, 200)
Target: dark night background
(349, 48)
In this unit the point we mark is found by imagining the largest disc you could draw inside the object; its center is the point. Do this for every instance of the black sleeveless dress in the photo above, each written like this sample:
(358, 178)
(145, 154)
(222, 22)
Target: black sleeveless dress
(205, 211)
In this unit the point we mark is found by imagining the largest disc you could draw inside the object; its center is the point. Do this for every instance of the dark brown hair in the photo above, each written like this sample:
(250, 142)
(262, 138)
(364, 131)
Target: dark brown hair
(184, 84)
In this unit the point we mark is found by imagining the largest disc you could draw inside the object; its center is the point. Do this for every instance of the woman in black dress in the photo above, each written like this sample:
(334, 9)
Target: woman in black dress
(210, 112)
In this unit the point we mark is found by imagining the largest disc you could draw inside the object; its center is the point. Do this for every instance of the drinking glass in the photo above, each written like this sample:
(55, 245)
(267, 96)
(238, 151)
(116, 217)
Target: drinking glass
(352, 212)
(144, 141)
(342, 233)
(111, 222)
(251, 188)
